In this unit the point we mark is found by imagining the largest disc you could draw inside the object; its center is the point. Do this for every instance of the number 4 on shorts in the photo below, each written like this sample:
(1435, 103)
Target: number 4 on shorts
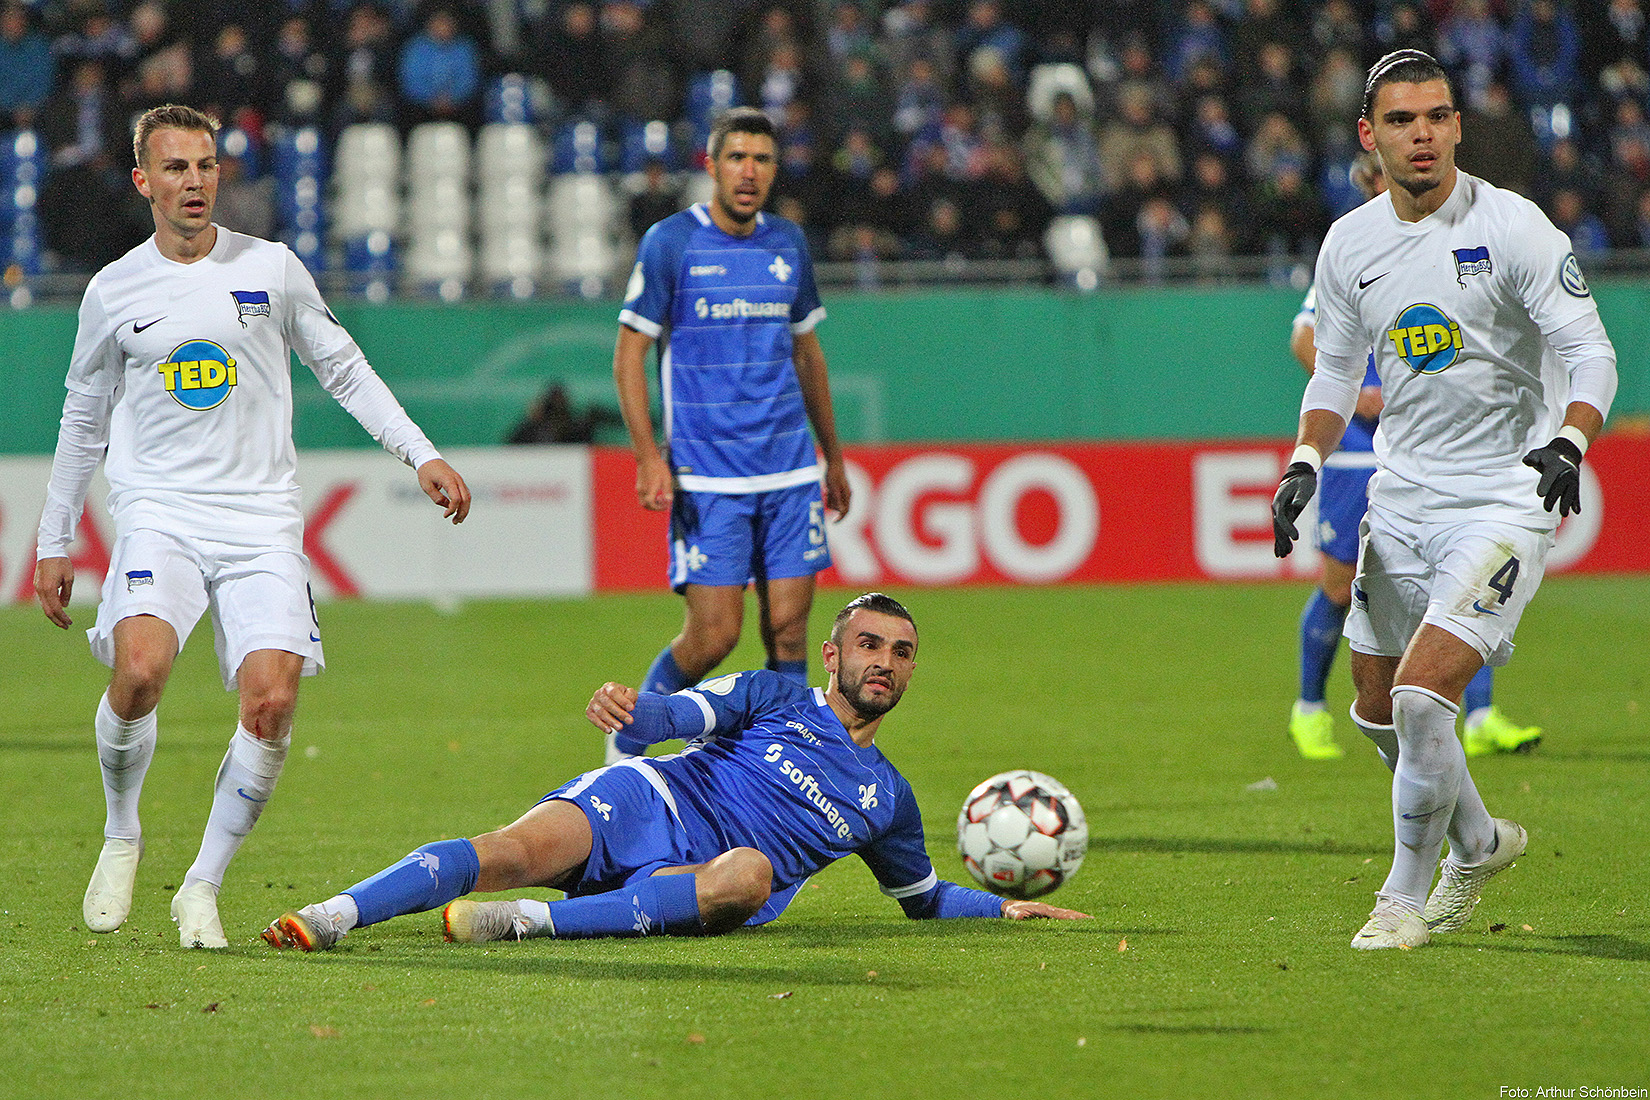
(1504, 579)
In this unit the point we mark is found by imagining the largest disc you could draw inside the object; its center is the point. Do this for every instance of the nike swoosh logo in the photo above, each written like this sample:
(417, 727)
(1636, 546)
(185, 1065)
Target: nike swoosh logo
(139, 328)
(1482, 610)
(314, 637)
(1366, 284)
(242, 792)
(1419, 817)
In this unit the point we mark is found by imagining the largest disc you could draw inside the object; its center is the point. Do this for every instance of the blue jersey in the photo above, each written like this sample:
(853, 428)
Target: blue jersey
(769, 766)
(724, 310)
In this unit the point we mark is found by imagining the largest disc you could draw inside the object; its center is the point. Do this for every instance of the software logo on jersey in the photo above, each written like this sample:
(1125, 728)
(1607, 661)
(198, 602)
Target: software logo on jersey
(1471, 261)
(251, 303)
(738, 309)
(198, 374)
(1426, 338)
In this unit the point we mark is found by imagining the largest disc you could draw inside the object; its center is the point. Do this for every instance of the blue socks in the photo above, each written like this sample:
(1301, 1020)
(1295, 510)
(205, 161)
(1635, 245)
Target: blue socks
(795, 670)
(1320, 638)
(659, 905)
(425, 879)
(1479, 690)
(664, 676)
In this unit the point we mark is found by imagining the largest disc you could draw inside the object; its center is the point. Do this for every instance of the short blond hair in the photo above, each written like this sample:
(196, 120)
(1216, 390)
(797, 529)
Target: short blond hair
(170, 116)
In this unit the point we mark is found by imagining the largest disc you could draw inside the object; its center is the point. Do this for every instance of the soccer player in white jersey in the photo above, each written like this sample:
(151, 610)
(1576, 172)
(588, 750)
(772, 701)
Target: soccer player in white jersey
(1497, 374)
(181, 369)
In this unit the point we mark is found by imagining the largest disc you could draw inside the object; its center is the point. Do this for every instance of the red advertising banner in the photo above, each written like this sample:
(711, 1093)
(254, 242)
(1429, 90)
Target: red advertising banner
(1069, 513)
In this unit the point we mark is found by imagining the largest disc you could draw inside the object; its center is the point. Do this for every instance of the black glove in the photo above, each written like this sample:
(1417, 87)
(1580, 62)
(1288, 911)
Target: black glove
(1560, 466)
(1299, 482)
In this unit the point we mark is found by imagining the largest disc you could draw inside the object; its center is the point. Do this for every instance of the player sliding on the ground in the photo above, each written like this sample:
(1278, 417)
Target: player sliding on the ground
(777, 781)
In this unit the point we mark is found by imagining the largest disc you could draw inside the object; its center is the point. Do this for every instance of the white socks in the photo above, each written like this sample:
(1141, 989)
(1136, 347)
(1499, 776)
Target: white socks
(537, 915)
(342, 911)
(245, 782)
(124, 750)
(1427, 795)
(1385, 738)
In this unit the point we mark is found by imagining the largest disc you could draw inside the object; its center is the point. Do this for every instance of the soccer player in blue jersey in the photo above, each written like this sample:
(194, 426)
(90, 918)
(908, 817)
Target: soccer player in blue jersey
(1343, 496)
(727, 294)
(777, 781)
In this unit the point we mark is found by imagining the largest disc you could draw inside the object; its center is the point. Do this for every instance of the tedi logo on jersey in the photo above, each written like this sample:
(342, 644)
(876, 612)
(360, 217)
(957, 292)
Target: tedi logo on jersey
(199, 375)
(1471, 261)
(1426, 338)
(251, 303)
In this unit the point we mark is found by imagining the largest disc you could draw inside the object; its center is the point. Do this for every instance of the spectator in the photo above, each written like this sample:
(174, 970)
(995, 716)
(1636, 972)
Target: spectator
(961, 145)
(1497, 143)
(919, 103)
(1289, 216)
(643, 82)
(1405, 26)
(229, 74)
(83, 124)
(658, 199)
(848, 33)
(1336, 98)
(781, 83)
(1211, 130)
(1120, 215)
(551, 418)
(1566, 167)
(1263, 22)
(1544, 48)
(1211, 243)
(1611, 33)
(909, 31)
(1137, 131)
(570, 57)
(1011, 216)
(99, 36)
(1063, 158)
(244, 204)
(1199, 38)
(440, 72)
(299, 74)
(998, 100)
(776, 30)
(1212, 187)
(1472, 46)
(1336, 27)
(1584, 228)
(1275, 140)
(858, 99)
(986, 29)
(1272, 87)
(363, 74)
(27, 68)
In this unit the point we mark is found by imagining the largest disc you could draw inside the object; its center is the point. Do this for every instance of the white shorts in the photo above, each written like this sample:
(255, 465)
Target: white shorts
(260, 598)
(1473, 579)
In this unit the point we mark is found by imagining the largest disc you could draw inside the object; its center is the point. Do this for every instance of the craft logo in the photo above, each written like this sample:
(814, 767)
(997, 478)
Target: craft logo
(1471, 261)
(1425, 338)
(199, 374)
(251, 303)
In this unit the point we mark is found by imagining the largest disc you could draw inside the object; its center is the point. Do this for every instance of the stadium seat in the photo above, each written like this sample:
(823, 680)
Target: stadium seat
(579, 147)
(439, 253)
(510, 181)
(515, 98)
(1077, 250)
(22, 169)
(300, 168)
(583, 216)
(641, 142)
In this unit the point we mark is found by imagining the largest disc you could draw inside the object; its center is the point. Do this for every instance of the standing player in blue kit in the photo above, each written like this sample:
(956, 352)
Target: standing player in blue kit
(727, 293)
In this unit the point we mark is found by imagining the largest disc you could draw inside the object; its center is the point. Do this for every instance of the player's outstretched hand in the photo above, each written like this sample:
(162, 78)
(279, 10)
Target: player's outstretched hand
(53, 581)
(1026, 910)
(1560, 465)
(655, 488)
(442, 484)
(610, 708)
(1299, 482)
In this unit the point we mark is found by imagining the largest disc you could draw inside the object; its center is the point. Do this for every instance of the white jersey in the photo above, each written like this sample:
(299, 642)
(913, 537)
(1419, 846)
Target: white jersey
(1456, 307)
(196, 359)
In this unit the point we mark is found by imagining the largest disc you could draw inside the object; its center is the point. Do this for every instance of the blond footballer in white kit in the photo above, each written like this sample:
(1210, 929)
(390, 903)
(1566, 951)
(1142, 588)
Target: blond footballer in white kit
(181, 367)
(1496, 374)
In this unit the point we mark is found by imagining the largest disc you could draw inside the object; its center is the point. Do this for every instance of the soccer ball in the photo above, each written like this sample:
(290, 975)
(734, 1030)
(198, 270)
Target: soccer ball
(1021, 834)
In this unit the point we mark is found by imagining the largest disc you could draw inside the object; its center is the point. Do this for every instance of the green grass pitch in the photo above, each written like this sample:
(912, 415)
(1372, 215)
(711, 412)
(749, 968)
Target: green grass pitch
(1217, 963)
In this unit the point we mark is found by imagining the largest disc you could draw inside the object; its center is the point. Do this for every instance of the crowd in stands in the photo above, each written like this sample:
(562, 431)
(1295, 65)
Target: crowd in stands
(911, 130)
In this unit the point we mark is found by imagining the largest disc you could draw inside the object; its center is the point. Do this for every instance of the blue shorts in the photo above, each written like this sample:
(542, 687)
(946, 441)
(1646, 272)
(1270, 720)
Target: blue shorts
(735, 538)
(634, 830)
(1343, 496)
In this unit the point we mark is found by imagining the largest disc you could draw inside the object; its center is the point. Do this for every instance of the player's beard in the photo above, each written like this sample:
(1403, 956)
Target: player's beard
(869, 708)
(1419, 187)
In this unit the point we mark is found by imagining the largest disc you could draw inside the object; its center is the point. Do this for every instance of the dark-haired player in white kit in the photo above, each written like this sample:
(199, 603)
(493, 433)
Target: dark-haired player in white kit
(182, 369)
(1496, 374)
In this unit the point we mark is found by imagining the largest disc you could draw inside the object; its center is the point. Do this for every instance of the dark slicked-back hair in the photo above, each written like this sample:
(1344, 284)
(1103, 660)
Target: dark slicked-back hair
(172, 116)
(738, 120)
(871, 601)
(1402, 67)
